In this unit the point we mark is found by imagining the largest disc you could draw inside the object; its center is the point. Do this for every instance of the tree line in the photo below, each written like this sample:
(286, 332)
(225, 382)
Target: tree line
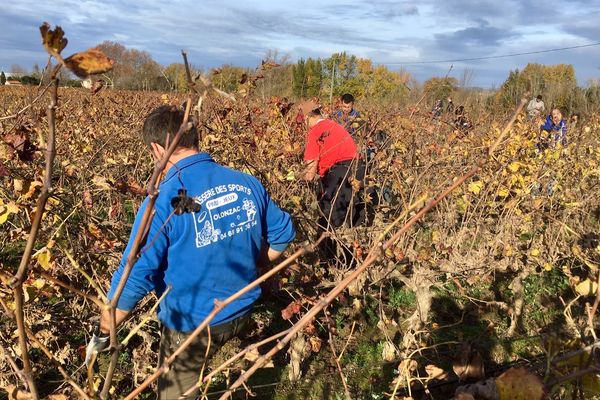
(330, 77)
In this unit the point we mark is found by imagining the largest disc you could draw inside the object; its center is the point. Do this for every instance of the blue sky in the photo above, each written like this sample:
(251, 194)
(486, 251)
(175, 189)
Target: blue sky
(394, 32)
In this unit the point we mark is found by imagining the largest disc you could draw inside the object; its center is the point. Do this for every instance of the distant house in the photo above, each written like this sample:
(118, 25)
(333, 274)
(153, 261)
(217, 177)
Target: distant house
(13, 82)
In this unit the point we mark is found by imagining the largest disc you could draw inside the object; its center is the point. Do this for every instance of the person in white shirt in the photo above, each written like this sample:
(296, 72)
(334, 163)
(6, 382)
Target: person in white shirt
(535, 108)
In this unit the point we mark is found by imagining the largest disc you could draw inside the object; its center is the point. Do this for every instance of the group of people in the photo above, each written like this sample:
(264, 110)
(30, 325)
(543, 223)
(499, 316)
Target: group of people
(554, 128)
(212, 229)
(460, 121)
(214, 226)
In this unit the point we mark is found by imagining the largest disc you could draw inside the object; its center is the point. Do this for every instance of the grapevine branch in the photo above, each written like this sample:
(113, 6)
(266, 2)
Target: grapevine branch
(17, 281)
(139, 238)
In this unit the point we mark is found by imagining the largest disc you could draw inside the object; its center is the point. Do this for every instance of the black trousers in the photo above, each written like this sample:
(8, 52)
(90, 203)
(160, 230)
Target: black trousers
(339, 203)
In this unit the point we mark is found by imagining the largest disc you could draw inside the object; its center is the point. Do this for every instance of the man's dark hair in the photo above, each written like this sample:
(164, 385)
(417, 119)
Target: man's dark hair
(315, 113)
(539, 97)
(166, 120)
(347, 98)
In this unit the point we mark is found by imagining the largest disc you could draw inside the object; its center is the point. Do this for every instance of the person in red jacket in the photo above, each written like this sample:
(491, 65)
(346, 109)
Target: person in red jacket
(331, 155)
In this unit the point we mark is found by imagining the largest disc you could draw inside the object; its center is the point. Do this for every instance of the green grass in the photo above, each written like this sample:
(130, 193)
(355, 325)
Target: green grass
(402, 298)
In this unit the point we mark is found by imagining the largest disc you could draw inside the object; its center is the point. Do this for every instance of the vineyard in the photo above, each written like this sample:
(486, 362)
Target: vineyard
(498, 280)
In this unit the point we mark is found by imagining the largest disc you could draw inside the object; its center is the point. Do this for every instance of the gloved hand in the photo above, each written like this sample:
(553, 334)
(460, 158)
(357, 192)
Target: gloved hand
(98, 342)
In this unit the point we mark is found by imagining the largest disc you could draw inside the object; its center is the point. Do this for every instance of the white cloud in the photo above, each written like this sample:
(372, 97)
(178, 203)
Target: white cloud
(228, 31)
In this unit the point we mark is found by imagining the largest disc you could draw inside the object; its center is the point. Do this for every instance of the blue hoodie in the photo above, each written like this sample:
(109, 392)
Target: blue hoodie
(558, 131)
(206, 255)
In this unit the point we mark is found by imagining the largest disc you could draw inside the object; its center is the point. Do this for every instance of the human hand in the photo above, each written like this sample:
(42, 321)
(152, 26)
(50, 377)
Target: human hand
(98, 342)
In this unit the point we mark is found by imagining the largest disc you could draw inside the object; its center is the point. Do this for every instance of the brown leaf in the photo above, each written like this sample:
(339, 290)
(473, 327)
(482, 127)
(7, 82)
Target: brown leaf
(468, 364)
(290, 310)
(310, 329)
(88, 203)
(388, 353)
(89, 62)
(254, 355)
(16, 141)
(136, 188)
(4, 171)
(315, 344)
(131, 186)
(53, 40)
(269, 64)
(15, 393)
(407, 366)
(434, 372)
(297, 352)
(519, 384)
(97, 86)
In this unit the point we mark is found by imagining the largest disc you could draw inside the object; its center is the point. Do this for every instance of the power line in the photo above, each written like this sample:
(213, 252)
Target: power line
(491, 57)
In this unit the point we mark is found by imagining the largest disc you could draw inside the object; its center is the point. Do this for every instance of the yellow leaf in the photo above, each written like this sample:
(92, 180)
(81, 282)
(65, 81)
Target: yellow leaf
(12, 208)
(475, 187)
(435, 236)
(297, 201)
(101, 182)
(535, 253)
(463, 204)
(3, 214)
(39, 283)
(504, 192)
(514, 166)
(44, 258)
(548, 267)
(587, 288)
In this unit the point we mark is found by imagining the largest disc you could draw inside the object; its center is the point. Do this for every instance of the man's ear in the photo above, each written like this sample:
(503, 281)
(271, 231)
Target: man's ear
(157, 150)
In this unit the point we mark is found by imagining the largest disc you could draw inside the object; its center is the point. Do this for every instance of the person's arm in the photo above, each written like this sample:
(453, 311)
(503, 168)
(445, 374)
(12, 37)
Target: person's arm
(267, 256)
(547, 126)
(310, 172)
(105, 319)
(278, 230)
(139, 283)
(153, 250)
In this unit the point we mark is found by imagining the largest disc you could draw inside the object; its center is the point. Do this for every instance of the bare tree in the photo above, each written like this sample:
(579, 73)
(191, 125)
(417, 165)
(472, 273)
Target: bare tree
(17, 70)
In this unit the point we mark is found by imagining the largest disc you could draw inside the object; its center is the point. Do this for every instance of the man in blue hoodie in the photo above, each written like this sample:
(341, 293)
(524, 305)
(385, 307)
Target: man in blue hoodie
(556, 129)
(212, 226)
